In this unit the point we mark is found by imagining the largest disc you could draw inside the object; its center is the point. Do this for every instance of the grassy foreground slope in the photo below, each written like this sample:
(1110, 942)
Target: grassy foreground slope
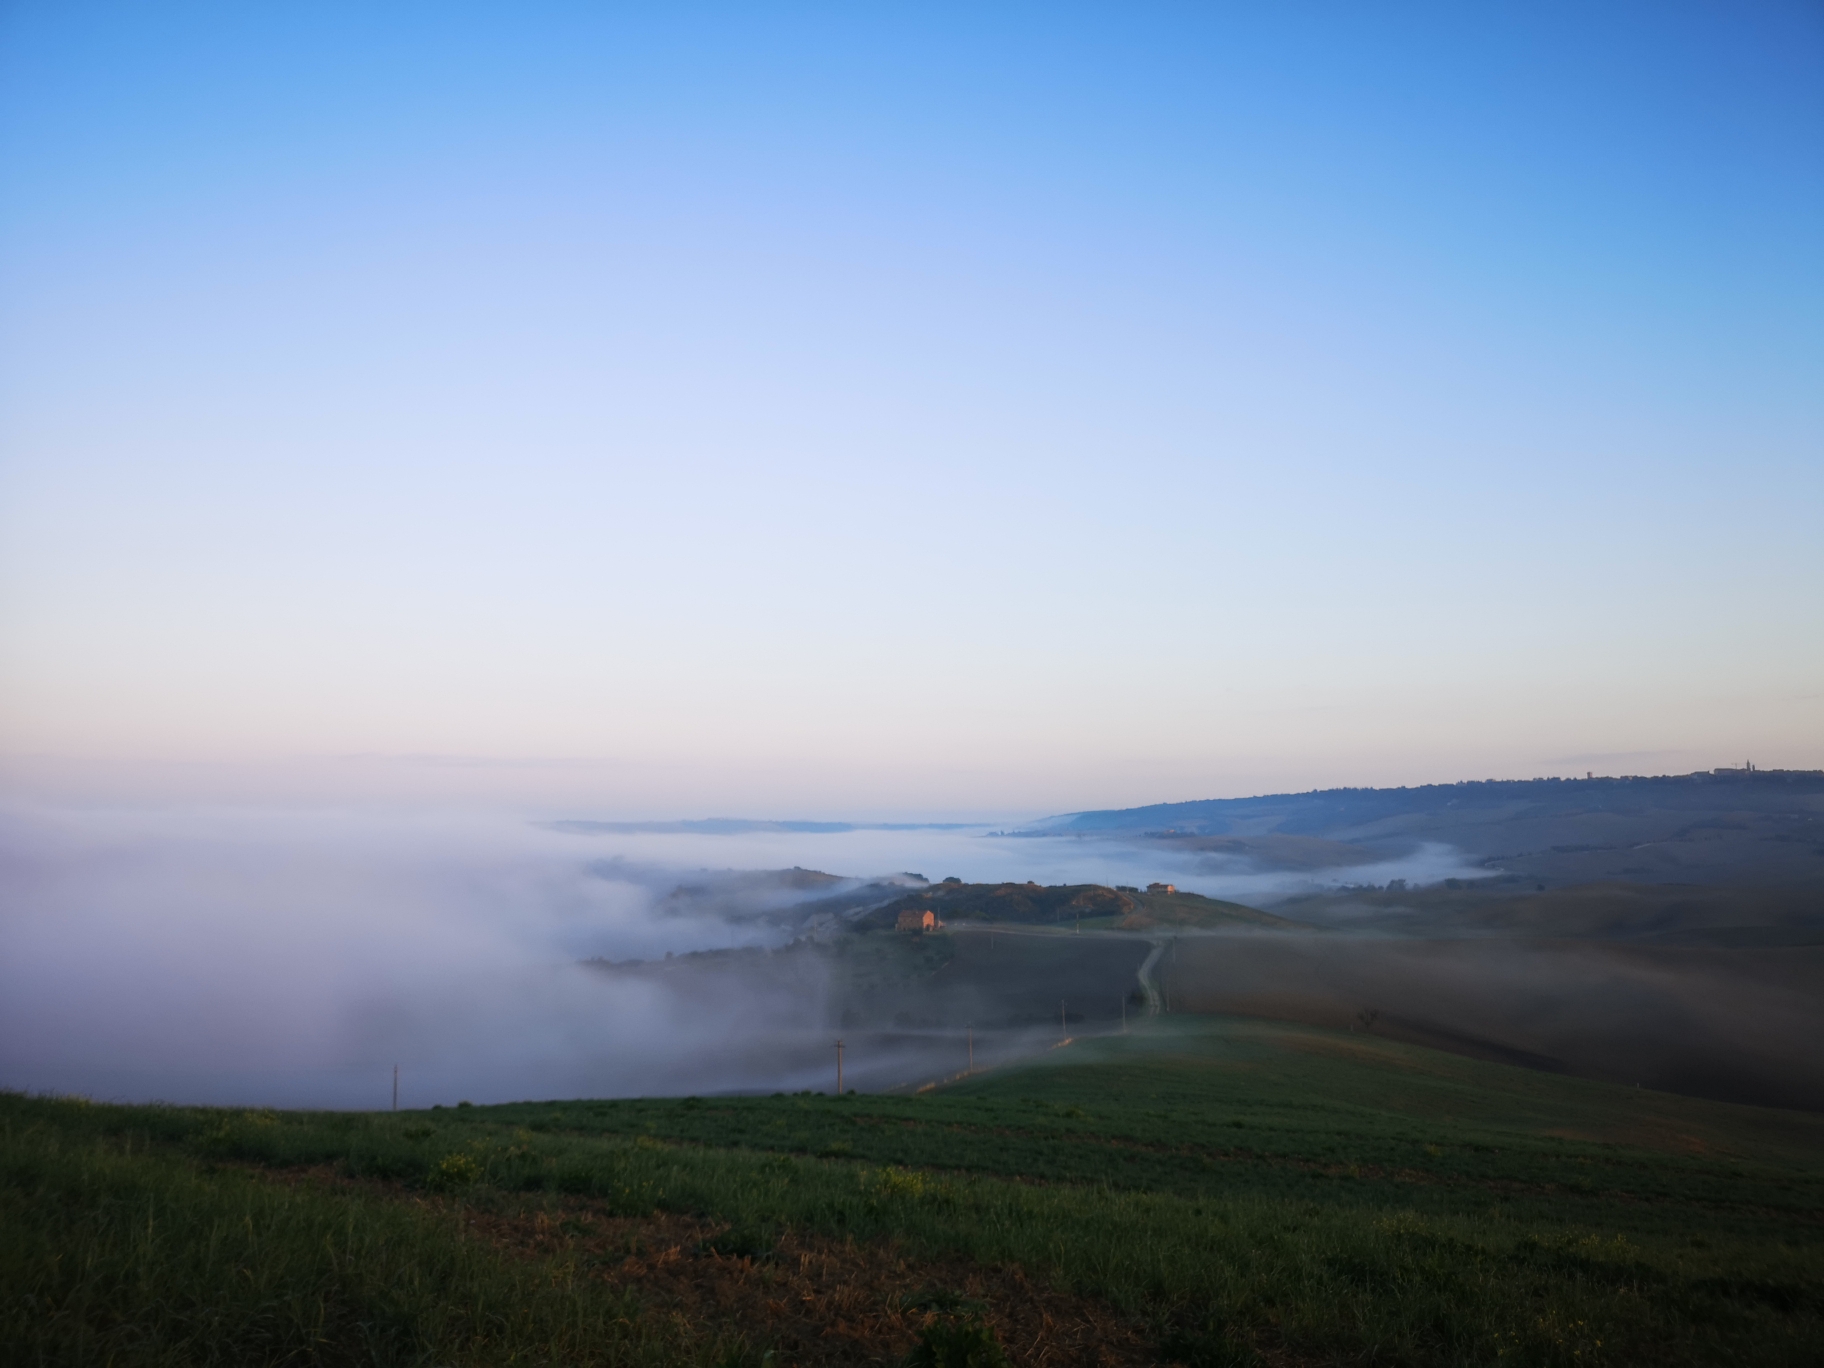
(1203, 1192)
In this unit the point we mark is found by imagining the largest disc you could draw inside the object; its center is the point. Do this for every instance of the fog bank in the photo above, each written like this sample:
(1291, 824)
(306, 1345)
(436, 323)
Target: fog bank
(292, 958)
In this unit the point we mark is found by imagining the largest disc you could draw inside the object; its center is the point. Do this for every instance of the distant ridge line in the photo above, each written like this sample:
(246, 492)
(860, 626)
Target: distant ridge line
(1401, 798)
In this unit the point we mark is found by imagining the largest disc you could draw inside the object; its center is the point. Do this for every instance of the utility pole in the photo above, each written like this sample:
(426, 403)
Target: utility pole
(1063, 1023)
(972, 1049)
(839, 1068)
(1124, 1014)
(395, 1087)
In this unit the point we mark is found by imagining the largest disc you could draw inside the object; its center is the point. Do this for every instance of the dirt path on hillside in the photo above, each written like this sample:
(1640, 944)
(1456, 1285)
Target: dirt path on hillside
(1145, 975)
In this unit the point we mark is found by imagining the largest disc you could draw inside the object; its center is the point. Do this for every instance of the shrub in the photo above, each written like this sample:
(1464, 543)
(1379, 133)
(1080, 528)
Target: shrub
(957, 1342)
(743, 1242)
(1214, 1343)
(452, 1172)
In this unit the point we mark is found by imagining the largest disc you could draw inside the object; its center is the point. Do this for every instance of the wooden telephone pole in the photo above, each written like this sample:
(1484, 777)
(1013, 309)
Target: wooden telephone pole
(1063, 1024)
(972, 1049)
(395, 1087)
(839, 1068)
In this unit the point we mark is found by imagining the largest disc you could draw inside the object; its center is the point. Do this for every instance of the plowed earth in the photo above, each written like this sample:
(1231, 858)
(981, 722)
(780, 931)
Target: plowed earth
(817, 1300)
(814, 1300)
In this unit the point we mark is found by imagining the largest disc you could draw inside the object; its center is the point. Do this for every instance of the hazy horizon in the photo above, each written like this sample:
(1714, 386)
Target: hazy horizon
(580, 789)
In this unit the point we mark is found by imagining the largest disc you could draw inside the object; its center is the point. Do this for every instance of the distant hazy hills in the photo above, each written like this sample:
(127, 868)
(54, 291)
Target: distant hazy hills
(1350, 813)
(1665, 931)
(1756, 826)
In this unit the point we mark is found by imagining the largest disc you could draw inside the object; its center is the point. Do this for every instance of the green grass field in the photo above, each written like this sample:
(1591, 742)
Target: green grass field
(1219, 1191)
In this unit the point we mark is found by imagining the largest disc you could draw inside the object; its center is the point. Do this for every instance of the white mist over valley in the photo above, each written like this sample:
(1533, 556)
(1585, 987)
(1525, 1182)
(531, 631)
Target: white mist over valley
(260, 956)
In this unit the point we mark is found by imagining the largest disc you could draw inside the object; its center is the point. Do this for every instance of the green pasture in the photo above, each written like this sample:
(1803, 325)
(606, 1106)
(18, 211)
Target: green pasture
(1241, 1188)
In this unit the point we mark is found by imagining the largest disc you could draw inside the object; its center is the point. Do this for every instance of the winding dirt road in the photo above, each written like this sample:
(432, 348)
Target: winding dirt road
(1145, 972)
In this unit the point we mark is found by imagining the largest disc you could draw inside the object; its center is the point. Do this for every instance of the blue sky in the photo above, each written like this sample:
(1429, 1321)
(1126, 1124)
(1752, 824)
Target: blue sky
(862, 410)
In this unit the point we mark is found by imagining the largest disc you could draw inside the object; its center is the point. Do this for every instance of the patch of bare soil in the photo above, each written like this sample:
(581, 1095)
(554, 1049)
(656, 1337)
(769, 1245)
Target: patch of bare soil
(815, 1300)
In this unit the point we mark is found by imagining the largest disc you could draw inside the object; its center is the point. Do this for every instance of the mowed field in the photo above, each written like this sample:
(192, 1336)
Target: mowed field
(1199, 1191)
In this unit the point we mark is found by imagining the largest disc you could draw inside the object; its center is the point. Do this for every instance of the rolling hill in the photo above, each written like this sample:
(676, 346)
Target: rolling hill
(1071, 905)
(1761, 827)
(1194, 1192)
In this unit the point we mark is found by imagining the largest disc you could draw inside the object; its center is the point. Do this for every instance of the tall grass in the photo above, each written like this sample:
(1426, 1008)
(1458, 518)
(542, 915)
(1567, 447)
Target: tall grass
(124, 1251)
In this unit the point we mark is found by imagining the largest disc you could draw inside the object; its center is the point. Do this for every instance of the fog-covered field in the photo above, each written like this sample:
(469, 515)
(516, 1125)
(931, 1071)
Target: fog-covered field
(296, 957)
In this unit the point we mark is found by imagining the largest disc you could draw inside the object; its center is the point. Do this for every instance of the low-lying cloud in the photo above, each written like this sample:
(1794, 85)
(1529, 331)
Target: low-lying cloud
(294, 958)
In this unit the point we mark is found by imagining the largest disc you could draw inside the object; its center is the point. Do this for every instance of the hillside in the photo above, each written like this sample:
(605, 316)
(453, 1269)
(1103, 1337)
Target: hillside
(1663, 913)
(1069, 905)
(1192, 1192)
(1713, 992)
(1764, 828)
